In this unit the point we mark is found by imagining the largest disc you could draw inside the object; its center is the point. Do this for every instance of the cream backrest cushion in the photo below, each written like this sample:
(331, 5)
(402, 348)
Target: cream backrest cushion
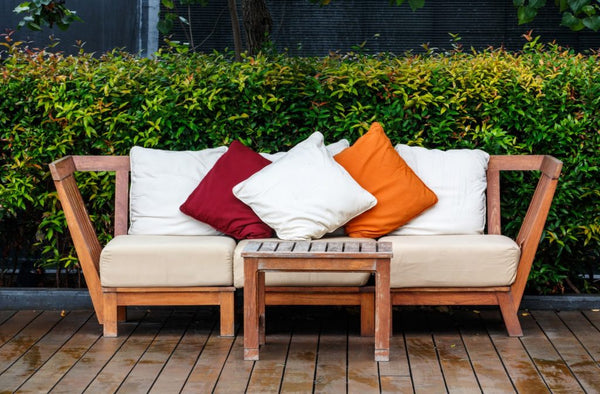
(161, 181)
(458, 178)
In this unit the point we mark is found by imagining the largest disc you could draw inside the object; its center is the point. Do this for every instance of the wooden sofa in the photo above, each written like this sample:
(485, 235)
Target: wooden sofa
(110, 302)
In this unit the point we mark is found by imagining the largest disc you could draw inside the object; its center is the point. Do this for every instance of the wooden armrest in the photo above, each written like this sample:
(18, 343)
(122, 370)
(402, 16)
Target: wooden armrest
(82, 232)
(532, 227)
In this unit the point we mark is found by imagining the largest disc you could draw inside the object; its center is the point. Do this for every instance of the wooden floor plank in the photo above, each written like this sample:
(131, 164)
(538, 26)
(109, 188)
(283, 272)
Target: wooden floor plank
(117, 369)
(18, 345)
(142, 376)
(308, 350)
(268, 370)
(396, 384)
(454, 359)
(42, 350)
(394, 375)
(236, 372)
(362, 367)
(301, 362)
(331, 372)
(580, 362)
(594, 317)
(206, 371)
(486, 362)
(425, 368)
(89, 366)
(548, 361)
(330, 376)
(15, 324)
(520, 367)
(180, 364)
(584, 330)
(54, 369)
(5, 315)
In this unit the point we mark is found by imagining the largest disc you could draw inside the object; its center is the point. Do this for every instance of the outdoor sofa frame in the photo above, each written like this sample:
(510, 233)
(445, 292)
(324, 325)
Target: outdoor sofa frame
(110, 303)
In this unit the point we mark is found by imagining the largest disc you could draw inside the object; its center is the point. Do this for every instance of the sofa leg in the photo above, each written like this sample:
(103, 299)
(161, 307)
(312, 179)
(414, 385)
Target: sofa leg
(509, 315)
(110, 314)
(367, 314)
(227, 312)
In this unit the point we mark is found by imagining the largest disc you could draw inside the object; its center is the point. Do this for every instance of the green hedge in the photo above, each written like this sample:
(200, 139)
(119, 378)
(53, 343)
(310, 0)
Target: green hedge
(544, 100)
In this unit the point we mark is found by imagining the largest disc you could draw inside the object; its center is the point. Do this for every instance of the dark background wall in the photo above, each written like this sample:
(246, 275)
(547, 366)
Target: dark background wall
(107, 24)
(308, 29)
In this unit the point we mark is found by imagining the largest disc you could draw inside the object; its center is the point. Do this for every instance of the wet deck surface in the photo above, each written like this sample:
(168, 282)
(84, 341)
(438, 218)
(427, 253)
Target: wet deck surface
(308, 350)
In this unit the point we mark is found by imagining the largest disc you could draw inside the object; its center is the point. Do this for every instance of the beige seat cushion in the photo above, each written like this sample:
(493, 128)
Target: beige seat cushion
(167, 260)
(453, 260)
(300, 278)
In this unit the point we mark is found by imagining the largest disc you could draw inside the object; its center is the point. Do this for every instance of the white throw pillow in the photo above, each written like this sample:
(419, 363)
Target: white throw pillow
(458, 178)
(161, 181)
(334, 149)
(305, 194)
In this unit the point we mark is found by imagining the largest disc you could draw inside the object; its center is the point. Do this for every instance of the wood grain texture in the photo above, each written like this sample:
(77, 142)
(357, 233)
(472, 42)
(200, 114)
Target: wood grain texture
(40, 351)
(583, 330)
(549, 362)
(124, 360)
(520, 367)
(574, 354)
(24, 340)
(310, 349)
(46, 377)
(205, 374)
(178, 367)
(14, 323)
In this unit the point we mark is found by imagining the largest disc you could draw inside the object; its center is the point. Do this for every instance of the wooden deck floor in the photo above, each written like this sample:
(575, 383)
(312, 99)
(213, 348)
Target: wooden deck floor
(308, 350)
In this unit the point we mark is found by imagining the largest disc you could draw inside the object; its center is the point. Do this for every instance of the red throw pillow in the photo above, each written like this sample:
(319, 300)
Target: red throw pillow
(379, 169)
(213, 202)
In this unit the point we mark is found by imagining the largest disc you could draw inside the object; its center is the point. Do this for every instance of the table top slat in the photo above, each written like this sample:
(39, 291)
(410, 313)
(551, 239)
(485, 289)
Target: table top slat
(309, 249)
(384, 247)
(317, 247)
(253, 246)
(302, 246)
(335, 246)
(285, 246)
(269, 246)
(351, 247)
(368, 247)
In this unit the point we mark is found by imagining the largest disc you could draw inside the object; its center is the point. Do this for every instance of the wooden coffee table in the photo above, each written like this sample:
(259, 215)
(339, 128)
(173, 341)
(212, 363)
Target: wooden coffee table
(335, 256)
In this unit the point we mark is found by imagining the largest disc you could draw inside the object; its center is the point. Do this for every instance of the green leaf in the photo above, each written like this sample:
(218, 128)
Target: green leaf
(577, 5)
(592, 22)
(537, 4)
(416, 4)
(164, 26)
(184, 21)
(570, 21)
(168, 4)
(518, 3)
(526, 14)
(562, 4)
(34, 26)
(589, 10)
(23, 7)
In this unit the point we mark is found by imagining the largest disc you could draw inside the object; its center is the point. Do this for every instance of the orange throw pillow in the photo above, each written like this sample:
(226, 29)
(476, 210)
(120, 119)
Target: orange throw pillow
(378, 168)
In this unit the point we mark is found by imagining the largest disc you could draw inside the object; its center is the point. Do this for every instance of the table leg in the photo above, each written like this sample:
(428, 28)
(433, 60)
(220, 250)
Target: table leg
(250, 309)
(261, 308)
(382, 310)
